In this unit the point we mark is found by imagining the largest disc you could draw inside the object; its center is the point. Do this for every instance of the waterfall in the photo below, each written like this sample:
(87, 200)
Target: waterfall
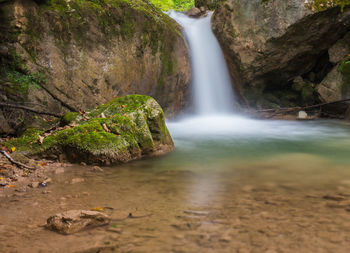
(212, 89)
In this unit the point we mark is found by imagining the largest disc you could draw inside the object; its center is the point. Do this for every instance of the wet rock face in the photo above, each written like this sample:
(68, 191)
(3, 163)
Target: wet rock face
(73, 221)
(75, 55)
(210, 4)
(122, 130)
(268, 45)
(336, 86)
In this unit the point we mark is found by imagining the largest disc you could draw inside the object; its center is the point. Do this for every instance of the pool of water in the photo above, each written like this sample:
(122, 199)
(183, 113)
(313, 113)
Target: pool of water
(233, 184)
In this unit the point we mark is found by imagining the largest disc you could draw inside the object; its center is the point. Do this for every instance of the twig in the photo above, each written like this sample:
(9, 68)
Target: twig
(31, 110)
(18, 164)
(303, 107)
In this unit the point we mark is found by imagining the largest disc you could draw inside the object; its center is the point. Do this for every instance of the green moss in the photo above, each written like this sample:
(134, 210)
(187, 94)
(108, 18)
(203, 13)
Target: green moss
(69, 117)
(130, 125)
(126, 104)
(344, 68)
(27, 141)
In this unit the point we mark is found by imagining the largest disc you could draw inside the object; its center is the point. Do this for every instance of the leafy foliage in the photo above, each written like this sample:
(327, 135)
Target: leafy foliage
(178, 5)
(319, 5)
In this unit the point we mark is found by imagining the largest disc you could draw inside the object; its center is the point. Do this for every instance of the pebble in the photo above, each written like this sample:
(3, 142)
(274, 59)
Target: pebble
(77, 180)
(96, 169)
(59, 171)
(34, 184)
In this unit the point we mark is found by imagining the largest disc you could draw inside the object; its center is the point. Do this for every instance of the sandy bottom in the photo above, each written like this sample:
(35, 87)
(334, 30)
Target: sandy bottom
(292, 203)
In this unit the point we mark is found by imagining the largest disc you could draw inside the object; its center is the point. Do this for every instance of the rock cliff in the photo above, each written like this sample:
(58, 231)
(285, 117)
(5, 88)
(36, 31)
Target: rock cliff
(274, 46)
(72, 55)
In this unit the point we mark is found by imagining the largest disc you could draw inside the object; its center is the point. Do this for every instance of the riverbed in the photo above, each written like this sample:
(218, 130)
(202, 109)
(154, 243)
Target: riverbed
(232, 185)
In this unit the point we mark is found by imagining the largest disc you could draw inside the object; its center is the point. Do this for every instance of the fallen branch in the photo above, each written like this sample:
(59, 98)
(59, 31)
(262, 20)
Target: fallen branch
(18, 164)
(31, 110)
(303, 107)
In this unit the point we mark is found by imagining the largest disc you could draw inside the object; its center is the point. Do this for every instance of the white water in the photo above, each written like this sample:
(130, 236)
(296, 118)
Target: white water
(212, 88)
(214, 119)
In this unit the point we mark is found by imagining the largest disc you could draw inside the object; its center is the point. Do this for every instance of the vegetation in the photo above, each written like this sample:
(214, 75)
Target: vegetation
(178, 5)
(120, 130)
(320, 5)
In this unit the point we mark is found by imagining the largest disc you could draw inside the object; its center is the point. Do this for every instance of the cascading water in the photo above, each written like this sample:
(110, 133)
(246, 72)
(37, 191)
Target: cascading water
(214, 117)
(211, 81)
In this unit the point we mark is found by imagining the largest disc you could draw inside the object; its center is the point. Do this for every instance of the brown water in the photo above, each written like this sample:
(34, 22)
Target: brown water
(229, 192)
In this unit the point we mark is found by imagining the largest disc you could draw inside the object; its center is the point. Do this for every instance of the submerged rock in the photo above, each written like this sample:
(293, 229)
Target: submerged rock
(268, 44)
(124, 129)
(76, 220)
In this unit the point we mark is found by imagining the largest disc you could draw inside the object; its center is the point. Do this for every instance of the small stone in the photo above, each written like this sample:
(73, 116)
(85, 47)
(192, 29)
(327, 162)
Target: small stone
(302, 115)
(46, 192)
(114, 230)
(59, 171)
(77, 180)
(96, 169)
(34, 184)
(82, 163)
(194, 12)
(334, 197)
(47, 180)
(76, 220)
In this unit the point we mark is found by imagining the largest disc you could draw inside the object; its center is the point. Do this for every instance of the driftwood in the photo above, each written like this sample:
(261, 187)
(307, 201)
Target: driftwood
(30, 110)
(291, 109)
(18, 164)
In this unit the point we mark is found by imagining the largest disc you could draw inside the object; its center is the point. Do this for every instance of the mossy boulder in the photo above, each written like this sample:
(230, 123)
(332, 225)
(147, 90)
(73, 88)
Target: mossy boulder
(73, 55)
(124, 129)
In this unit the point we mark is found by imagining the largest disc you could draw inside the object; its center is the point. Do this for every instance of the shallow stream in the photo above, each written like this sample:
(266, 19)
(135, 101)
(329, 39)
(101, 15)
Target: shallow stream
(232, 185)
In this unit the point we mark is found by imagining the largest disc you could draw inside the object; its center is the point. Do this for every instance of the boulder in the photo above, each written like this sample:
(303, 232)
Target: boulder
(209, 4)
(340, 49)
(267, 44)
(73, 221)
(75, 55)
(122, 130)
(336, 86)
(194, 12)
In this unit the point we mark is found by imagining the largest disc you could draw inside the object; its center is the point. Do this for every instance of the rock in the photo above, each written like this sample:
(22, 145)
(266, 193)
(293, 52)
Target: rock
(96, 169)
(267, 45)
(110, 54)
(302, 115)
(208, 4)
(202, 9)
(34, 184)
(137, 129)
(77, 180)
(340, 49)
(59, 170)
(194, 13)
(76, 220)
(336, 86)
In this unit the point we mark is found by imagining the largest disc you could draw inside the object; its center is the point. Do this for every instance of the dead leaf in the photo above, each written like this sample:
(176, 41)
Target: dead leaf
(13, 149)
(98, 209)
(105, 128)
(123, 106)
(11, 185)
(41, 139)
(103, 115)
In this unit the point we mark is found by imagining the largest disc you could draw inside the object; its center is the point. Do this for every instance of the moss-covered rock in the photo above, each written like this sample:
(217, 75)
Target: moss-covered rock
(63, 55)
(124, 129)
